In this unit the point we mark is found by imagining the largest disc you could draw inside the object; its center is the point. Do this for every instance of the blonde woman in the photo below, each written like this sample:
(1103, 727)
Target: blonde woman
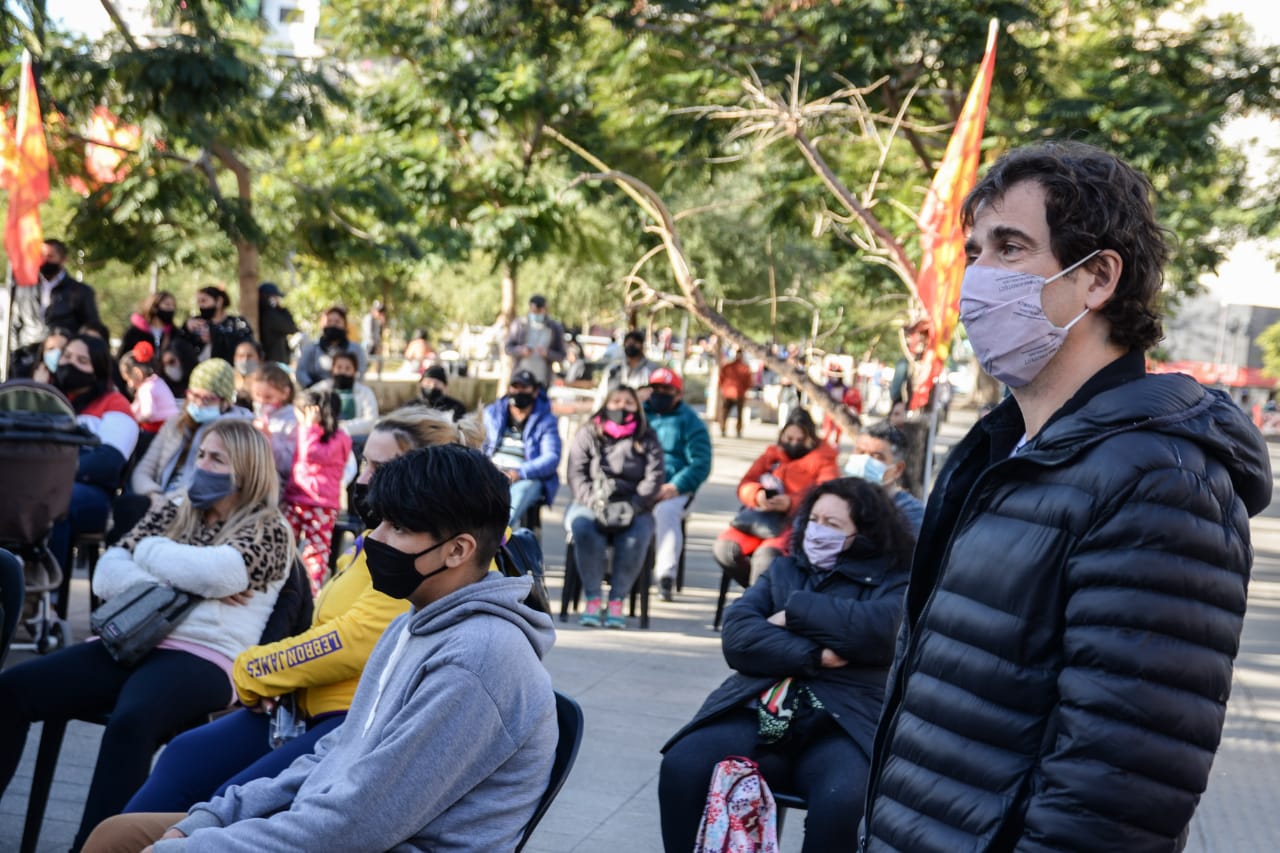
(317, 670)
(224, 541)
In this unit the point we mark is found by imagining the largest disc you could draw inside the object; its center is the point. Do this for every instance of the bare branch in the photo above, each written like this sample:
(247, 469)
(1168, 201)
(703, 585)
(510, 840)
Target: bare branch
(110, 8)
(694, 301)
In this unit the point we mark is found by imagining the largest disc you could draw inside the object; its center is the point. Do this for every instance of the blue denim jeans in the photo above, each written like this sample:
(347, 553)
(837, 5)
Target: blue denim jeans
(589, 544)
(524, 494)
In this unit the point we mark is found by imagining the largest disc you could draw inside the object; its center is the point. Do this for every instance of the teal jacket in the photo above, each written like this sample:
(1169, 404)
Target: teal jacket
(686, 445)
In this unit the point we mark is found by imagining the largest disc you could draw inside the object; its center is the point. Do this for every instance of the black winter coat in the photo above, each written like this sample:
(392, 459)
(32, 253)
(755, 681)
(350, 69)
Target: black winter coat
(853, 610)
(1074, 611)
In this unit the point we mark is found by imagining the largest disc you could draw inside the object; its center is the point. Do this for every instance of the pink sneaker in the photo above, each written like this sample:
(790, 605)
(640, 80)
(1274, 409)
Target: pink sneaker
(590, 614)
(615, 619)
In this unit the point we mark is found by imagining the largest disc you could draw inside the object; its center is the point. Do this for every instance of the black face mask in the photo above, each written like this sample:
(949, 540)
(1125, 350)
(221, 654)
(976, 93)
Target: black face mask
(50, 271)
(431, 395)
(522, 399)
(165, 317)
(633, 350)
(208, 313)
(344, 383)
(619, 416)
(360, 503)
(333, 336)
(662, 402)
(71, 378)
(795, 450)
(392, 570)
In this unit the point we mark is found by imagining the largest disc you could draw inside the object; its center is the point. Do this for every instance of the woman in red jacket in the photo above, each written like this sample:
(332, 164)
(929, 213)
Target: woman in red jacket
(773, 487)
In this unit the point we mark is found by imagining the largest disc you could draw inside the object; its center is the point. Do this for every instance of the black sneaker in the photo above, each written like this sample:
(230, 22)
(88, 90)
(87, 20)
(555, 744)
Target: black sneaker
(665, 586)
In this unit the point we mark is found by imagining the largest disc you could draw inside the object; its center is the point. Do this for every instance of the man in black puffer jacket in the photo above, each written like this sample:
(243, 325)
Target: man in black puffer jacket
(1077, 596)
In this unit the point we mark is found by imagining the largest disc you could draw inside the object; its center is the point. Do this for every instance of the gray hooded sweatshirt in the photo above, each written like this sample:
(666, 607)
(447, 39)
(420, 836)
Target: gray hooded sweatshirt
(448, 745)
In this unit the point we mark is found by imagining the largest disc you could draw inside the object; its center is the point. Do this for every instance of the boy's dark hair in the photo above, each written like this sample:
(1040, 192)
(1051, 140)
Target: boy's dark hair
(445, 490)
(218, 295)
(257, 347)
(330, 405)
(346, 355)
(874, 514)
(58, 246)
(636, 335)
(335, 309)
(1093, 200)
(896, 439)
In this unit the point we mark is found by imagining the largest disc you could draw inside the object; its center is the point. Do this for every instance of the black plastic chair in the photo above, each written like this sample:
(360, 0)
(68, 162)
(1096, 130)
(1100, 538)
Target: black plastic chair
(571, 591)
(13, 588)
(570, 722)
(784, 802)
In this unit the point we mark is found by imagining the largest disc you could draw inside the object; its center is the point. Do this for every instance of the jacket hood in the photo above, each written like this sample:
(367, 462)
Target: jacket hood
(1174, 404)
(494, 596)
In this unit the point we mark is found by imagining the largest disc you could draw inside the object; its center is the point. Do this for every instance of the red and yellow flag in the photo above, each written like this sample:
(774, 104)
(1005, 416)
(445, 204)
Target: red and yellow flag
(942, 260)
(27, 180)
(105, 162)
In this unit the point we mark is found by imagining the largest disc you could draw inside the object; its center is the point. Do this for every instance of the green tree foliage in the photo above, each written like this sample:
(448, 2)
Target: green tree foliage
(1269, 343)
(413, 162)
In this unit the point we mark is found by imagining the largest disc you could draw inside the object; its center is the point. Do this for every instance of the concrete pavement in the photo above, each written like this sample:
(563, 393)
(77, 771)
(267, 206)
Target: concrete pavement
(637, 687)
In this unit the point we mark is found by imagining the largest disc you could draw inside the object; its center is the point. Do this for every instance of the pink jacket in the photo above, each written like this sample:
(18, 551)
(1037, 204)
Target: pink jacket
(317, 468)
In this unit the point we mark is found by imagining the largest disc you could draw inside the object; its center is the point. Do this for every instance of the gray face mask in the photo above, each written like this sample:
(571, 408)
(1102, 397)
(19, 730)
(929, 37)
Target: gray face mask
(207, 488)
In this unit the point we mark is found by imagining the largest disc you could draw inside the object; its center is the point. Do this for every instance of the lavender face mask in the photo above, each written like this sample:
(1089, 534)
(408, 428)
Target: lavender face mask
(1011, 336)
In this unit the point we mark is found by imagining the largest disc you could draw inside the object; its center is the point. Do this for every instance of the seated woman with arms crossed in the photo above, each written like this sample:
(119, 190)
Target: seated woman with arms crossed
(811, 642)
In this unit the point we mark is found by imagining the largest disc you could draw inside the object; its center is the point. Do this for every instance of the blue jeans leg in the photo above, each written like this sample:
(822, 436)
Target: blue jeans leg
(276, 760)
(196, 762)
(524, 494)
(588, 548)
(629, 550)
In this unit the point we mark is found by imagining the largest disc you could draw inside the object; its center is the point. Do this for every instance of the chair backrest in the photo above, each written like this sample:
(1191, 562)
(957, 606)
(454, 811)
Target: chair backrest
(570, 723)
(12, 590)
(293, 609)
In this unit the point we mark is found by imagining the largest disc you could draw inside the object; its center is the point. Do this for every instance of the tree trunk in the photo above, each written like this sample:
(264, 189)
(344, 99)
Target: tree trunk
(246, 252)
(247, 272)
(507, 303)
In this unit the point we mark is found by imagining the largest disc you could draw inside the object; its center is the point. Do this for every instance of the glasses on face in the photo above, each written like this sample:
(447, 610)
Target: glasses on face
(202, 398)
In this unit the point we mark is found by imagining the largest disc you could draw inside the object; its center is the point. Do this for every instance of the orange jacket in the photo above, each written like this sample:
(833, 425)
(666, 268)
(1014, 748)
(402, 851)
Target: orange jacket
(735, 380)
(797, 475)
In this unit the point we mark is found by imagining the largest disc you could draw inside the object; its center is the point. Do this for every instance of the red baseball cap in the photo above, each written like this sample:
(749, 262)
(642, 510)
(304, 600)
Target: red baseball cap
(664, 376)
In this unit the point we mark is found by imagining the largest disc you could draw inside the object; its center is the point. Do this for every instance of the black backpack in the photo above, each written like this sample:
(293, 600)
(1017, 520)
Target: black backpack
(521, 555)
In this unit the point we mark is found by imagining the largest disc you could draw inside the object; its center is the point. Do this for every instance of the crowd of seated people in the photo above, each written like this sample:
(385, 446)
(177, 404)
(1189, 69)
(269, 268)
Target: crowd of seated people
(219, 468)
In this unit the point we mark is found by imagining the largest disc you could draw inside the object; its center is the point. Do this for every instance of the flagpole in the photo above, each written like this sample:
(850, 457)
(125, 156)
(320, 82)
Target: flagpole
(7, 341)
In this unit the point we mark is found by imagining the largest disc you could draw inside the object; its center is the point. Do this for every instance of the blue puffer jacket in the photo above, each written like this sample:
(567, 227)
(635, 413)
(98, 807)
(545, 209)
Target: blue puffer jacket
(1074, 610)
(541, 442)
(686, 446)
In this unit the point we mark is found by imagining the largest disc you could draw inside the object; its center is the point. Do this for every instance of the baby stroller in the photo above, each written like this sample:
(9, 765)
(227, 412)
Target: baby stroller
(40, 443)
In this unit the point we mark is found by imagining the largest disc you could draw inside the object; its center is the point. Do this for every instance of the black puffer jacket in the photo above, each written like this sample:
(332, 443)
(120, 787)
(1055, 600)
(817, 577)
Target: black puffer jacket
(853, 610)
(1074, 611)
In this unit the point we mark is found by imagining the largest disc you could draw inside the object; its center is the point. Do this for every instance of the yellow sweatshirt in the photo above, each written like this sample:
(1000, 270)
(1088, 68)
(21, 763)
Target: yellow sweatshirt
(323, 664)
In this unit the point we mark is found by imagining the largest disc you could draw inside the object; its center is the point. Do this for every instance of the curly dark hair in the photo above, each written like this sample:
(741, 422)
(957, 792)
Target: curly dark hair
(1093, 200)
(873, 512)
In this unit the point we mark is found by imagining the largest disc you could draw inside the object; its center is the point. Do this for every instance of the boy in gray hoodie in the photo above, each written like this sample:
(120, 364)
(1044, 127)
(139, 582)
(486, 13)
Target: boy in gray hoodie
(451, 736)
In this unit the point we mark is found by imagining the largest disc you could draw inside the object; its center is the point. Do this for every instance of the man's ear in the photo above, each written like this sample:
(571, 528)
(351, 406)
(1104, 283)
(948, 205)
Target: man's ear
(895, 472)
(460, 550)
(1104, 274)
